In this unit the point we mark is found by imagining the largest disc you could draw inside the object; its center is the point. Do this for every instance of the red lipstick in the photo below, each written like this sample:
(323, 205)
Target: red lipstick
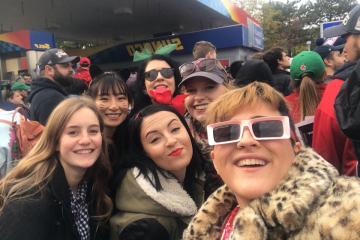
(176, 152)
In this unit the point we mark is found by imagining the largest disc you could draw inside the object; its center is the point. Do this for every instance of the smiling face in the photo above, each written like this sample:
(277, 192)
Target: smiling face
(166, 141)
(80, 143)
(249, 167)
(160, 81)
(114, 108)
(202, 92)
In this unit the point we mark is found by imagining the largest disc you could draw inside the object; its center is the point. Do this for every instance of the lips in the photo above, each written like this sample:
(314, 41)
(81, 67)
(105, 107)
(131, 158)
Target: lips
(176, 152)
(83, 151)
(113, 116)
(200, 106)
(160, 86)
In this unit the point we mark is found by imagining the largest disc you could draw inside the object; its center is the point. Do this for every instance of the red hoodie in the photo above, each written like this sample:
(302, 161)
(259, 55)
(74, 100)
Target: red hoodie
(328, 139)
(83, 73)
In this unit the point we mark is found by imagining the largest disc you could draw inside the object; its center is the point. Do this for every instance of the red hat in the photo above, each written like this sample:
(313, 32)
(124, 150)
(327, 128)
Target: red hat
(84, 61)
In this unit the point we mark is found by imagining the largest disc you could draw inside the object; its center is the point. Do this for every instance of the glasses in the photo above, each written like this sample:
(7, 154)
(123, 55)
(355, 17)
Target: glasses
(165, 72)
(204, 65)
(263, 128)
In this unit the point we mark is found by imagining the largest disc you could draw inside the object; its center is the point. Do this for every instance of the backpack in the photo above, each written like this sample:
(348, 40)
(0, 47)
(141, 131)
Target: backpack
(26, 133)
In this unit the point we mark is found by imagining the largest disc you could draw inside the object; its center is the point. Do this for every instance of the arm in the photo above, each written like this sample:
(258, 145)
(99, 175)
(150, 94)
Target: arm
(144, 229)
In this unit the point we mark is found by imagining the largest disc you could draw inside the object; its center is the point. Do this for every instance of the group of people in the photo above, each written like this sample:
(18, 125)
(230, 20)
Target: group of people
(186, 152)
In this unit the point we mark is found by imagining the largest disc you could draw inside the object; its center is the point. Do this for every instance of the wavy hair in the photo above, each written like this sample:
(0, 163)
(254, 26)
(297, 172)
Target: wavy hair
(36, 169)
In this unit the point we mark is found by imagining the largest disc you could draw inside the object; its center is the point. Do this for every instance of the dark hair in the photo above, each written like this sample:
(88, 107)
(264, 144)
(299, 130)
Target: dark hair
(109, 82)
(141, 98)
(272, 56)
(138, 158)
(254, 70)
(202, 48)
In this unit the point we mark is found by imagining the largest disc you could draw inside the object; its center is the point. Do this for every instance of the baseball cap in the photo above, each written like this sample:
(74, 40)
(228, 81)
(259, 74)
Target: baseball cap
(307, 63)
(84, 61)
(350, 24)
(210, 70)
(19, 86)
(55, 56)
(325, 50)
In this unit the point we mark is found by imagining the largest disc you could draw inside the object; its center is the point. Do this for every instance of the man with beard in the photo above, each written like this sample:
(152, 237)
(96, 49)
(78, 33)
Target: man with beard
(48, 90)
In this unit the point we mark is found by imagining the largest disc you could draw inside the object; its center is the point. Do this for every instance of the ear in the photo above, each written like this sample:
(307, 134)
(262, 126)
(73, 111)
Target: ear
(212, 156)
(328, 63)
(297, 147)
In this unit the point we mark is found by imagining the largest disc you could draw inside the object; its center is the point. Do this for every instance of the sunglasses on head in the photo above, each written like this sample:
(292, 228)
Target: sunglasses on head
(203, 65)
(262, 128)
(165, 72)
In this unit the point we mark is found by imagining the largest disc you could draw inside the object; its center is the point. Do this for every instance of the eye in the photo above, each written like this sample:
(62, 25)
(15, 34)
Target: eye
(210, 87)
(71, 133)
(175, 130)
(94, 131)
(154, 140)
(103, 98)
(190, 90)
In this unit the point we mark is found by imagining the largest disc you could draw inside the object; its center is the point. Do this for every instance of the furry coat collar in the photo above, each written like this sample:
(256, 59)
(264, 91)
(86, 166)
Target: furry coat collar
(312, 202)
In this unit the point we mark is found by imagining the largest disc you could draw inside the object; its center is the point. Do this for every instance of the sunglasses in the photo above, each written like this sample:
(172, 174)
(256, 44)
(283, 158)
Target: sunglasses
(203, 65)
(165, 72)
(262, 128)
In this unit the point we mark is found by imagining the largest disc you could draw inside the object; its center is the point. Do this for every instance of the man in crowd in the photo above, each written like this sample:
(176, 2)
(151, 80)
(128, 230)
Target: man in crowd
(328, 139)
(204, 49)
(48, 90)
(279, 62)
(332, 57)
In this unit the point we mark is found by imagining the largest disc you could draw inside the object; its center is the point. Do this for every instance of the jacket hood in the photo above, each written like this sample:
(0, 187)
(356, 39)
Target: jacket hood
(344, 72)
(137, 195)
(44, 83)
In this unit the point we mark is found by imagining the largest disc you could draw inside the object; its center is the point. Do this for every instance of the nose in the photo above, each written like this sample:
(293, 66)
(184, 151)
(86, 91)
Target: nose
(170, 140)
(84, 138)
(247, 140)
(114, 105)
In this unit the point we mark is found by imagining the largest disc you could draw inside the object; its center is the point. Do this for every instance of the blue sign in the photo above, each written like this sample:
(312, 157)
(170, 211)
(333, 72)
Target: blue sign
(224, 37)
(41, 40)
(326, 25)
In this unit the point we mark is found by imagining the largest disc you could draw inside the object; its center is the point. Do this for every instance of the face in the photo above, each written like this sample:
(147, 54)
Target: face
(352, 48)
(160, 81)
(250, 167)
(17, 98)
(285, 61)
(62, 73)
(166, 141)
(27, 79)
(202, 92)
(114, 108)
(336, 61)
(80, 143)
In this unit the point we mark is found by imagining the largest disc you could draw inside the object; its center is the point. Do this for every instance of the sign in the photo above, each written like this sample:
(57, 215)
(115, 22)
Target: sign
(326, 25)
(223, 38)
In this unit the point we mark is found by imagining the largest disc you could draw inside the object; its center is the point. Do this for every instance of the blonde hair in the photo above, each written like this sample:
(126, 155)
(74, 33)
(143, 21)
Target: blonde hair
(252, 94)
(36, 169)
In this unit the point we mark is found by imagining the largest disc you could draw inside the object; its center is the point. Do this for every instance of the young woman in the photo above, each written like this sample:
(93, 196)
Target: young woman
(161, 189)
(58, 190)
(204, 80)
(274, 189)
(157, 81)
(307, 73)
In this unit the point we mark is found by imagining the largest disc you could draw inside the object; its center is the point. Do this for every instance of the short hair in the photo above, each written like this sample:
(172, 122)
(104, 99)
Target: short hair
(202, 48)
(272, 56)
(223, 108)
(137, 156)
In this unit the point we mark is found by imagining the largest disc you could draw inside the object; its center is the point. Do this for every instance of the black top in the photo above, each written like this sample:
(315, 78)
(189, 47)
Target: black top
(45, 95)
(46, 215)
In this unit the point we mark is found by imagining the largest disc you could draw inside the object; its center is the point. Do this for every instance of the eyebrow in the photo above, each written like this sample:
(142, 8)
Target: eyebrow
(174, 119)
(78, 126)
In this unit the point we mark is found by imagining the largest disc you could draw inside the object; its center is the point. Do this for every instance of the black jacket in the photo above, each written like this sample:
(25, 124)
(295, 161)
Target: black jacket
(281, 80)
(45, 95)
(45, 216)
(347, 108)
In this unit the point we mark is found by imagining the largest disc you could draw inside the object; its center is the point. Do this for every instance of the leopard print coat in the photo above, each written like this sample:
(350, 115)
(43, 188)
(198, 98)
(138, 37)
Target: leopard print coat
(312, 202)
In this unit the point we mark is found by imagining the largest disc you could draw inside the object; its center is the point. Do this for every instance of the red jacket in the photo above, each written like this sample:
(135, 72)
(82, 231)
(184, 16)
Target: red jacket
(328, 139)
(83, 74)
(294, 103)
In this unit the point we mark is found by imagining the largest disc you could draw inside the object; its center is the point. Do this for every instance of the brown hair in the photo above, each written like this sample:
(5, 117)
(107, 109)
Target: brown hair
(202, 48)
(36, 169)
(252, 94)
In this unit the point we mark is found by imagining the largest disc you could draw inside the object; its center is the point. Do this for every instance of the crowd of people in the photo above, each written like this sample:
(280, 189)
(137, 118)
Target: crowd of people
(191, 150)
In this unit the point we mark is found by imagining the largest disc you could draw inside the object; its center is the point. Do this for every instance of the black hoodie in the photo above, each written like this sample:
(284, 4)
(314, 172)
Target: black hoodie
(45, 95)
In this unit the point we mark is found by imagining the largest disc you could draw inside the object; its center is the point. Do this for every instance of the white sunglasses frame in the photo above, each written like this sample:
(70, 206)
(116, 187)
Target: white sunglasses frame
(248, 123)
